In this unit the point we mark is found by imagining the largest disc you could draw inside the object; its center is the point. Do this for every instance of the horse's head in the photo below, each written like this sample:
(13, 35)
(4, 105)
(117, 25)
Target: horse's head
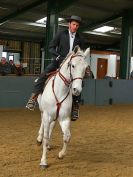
(78, 67)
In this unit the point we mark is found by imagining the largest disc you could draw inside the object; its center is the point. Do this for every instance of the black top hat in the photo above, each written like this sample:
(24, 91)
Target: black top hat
(74, 18)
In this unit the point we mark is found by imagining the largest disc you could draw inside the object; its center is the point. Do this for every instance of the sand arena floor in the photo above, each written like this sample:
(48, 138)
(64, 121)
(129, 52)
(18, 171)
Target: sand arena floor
(101, 144)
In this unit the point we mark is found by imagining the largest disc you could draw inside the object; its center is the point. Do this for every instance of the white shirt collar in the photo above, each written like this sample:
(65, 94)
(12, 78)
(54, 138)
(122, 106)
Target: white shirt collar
(72, 35)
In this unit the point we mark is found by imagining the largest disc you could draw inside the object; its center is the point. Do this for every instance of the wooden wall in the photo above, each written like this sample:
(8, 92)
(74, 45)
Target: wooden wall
(30, 53)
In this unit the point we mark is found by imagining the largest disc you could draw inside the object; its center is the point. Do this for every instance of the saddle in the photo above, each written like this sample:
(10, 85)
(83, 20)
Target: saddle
(49, 75)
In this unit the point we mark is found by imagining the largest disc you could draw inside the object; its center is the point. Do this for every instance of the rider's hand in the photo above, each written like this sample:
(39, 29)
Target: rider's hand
(57, 58)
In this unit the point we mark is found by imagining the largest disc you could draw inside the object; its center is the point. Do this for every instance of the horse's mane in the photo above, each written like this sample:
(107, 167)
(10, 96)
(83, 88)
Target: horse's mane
(69, 54)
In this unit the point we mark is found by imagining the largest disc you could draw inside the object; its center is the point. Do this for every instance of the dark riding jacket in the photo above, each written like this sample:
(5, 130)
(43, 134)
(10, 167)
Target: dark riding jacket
(60, 45)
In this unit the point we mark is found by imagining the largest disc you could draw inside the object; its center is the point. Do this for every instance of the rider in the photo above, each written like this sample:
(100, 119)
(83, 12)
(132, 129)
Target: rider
(63, 43)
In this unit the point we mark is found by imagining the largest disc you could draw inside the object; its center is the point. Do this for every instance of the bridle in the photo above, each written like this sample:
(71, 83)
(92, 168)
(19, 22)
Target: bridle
(66, 81)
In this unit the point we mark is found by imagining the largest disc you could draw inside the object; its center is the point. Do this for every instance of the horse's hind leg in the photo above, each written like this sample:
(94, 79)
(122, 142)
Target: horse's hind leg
(45, 143)
(65, 126)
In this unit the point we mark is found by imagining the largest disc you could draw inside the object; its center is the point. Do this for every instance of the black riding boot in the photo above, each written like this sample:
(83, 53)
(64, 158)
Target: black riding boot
(39, 85)
(75, 110)
(32, 102)
(38, 88)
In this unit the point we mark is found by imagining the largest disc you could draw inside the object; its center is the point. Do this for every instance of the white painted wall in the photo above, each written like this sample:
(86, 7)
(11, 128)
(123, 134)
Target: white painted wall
(131, 66)
(1, 50)
(111, 70)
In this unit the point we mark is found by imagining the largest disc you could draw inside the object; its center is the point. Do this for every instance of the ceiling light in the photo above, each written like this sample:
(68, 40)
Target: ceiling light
(104, 29)
(43, 20)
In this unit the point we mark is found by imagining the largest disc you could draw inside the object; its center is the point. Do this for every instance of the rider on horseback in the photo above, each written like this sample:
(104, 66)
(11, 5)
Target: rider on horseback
(63, 43)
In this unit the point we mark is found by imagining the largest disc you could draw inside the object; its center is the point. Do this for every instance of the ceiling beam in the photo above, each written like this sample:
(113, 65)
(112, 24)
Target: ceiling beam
(99, 23)
(88, 6)
(103, 34)
(62, 5)
(5, 6)
(21, 33)
(41, 25)
(21, 11)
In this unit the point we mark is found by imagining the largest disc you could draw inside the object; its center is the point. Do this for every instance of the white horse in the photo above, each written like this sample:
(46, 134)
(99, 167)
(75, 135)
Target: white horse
(55, 103)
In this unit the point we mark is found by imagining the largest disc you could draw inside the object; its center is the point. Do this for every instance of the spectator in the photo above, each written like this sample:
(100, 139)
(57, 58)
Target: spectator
(19, 69)
(89, 74)
(131, 75)
(16, 68)
(4, 67)
(107, 77)
(13, 67)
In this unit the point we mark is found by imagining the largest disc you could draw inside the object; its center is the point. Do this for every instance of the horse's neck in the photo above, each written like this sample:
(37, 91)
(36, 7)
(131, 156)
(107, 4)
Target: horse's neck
(61, 89)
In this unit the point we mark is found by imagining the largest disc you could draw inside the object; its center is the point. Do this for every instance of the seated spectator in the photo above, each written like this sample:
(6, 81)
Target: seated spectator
(4, 67)
(16, 68)
(131, 75)
(107, 77)
(19, 69)
(13, 67)
(89, 73)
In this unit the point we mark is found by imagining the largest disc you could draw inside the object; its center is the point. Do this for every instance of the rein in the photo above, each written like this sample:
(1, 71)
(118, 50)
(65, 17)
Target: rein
(58, 104)
(66, 82)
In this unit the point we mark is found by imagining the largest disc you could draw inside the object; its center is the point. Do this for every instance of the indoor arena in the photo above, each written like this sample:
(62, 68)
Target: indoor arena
(66, 88)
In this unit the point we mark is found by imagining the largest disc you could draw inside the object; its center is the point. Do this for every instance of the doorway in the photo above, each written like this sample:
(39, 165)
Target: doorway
(102, 67)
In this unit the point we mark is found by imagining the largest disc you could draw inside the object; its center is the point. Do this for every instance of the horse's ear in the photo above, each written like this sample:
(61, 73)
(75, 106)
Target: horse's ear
(87, 52)
(76, 49)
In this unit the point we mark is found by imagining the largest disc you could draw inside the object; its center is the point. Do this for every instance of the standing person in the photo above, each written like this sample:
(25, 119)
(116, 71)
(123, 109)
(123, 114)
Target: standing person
(63, 43)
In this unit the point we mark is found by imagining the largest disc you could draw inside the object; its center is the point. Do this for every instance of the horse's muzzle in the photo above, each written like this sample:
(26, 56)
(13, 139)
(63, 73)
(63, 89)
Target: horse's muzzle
(76, 92)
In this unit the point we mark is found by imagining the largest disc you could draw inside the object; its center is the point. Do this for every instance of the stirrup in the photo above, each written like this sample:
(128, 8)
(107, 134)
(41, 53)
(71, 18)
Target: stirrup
(75, 115)
(31, 105)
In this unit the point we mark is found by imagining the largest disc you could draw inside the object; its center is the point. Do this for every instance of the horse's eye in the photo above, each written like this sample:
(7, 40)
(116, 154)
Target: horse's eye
(72, 66)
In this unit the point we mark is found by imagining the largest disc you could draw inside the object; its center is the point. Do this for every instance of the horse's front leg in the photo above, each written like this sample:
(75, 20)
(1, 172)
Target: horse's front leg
(65, 126)
(52, 125)
(45, 143)
(40, 132)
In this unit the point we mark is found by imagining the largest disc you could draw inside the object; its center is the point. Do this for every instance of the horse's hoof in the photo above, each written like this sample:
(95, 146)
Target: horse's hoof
(49, 148)
(60, 157)
(39, 143)
(43, 167)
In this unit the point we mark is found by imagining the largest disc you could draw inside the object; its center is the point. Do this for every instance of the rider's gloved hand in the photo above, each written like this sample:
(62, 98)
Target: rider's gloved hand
(57, 58)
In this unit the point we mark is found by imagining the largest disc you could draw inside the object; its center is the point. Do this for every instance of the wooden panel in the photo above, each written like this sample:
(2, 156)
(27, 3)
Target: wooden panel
(31, 56)
(11, 45)
(26, 55)
(26, 52)
(30, 52)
